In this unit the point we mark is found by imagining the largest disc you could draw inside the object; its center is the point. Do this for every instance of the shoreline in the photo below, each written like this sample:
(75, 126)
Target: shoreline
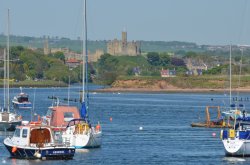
(172, 90)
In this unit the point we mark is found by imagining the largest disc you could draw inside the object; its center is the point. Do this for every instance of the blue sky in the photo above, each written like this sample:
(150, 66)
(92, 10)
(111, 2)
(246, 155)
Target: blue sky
(200, 21)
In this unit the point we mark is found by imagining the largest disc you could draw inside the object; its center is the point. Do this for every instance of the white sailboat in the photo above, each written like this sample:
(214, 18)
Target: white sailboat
(79, 132)
(8, 120)
(234, 112)
(72, 123)
(236, 141)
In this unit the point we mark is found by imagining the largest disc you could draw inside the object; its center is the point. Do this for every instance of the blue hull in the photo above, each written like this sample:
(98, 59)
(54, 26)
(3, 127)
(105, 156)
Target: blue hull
(22, 105)
(44, 153)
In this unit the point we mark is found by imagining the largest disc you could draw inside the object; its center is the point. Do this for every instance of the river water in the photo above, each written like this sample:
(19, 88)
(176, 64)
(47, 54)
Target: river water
(146, 128)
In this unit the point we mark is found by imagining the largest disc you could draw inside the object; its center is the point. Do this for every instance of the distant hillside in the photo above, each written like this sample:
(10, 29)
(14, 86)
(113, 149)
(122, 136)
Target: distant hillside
(177, 47)
(146, 46)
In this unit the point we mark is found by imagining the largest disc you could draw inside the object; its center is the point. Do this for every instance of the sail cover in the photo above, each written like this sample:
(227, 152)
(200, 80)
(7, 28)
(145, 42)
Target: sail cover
(83, 110)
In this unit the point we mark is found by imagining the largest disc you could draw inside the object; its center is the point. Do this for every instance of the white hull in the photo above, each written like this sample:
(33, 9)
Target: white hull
(89, 139)
(236, 147)
(9, 121)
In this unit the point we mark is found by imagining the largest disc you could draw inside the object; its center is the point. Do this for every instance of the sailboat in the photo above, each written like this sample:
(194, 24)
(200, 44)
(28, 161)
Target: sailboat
(8, 120)
(236, 141)
(235, 111)
(78, 132)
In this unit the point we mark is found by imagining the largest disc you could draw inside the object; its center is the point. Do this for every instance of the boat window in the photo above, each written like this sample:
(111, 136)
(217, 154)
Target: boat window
(17, 132)
(49, 113)
(40, 136)
(25, 133)
(68, 116)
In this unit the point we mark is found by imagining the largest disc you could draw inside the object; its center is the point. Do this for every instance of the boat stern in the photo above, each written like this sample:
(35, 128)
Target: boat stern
(233, 147)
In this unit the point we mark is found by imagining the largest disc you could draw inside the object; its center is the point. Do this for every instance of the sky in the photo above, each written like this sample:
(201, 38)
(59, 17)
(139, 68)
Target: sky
(214, 22)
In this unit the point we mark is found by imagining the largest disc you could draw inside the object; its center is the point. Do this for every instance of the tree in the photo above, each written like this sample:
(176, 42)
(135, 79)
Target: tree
(153, 58)
(177, 61)
(59, 55)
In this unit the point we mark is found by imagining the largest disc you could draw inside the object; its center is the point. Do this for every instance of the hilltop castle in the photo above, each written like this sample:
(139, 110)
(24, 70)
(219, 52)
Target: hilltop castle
(123, 47)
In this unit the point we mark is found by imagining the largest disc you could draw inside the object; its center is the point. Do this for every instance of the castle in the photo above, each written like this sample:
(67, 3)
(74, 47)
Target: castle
(123, 47)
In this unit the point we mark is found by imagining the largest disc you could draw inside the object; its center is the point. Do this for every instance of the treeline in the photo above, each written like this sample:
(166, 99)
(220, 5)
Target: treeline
(28, 64)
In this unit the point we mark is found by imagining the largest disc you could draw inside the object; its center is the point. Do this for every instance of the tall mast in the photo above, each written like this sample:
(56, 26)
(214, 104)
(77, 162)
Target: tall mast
(8, 62)
(85, 59)
(4, 80)
(230, 74)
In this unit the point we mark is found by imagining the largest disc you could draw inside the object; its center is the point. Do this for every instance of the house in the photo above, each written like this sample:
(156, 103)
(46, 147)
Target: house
(72, 63)
(136, 71)
(168, 73)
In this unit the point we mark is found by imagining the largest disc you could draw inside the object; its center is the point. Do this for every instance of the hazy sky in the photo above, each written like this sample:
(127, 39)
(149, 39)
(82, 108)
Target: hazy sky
(199, 21)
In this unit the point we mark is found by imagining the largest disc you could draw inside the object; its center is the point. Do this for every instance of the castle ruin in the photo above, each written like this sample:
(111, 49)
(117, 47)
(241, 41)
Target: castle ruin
(123, 47)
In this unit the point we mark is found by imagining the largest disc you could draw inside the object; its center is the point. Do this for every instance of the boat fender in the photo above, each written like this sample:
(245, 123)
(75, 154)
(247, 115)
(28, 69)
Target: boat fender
(37, 154)
(20, 117)
(14, 149)
(221, 134)
(98, 127)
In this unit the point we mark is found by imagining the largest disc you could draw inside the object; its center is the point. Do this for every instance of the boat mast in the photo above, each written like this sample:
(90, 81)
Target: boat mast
(85, 59)
(4, 82)
(8, 64)
(230, 75)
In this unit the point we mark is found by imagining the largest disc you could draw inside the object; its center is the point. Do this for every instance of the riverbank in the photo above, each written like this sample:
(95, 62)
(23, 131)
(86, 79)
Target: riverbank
(139, 85)
(174, 90)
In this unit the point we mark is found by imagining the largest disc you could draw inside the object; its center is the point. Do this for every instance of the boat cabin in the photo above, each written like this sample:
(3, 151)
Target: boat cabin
(33, 136)
(23, 97)
(58, 117)
(241, 131)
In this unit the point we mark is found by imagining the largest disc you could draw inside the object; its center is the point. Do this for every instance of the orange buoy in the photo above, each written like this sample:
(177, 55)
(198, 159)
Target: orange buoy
(110, 119)
(14, 149)
(98, 127)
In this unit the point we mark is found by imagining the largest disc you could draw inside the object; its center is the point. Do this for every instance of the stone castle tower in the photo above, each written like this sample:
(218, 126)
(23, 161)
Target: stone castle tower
(46, 49)
(123, 47)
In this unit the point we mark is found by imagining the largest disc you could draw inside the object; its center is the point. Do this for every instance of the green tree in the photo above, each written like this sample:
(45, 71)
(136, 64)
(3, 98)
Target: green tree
(153, 58)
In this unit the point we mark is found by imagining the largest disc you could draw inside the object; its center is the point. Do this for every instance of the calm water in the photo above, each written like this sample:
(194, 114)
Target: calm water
(166, 138)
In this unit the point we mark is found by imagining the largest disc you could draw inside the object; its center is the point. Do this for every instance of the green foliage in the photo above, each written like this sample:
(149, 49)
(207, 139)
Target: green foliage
(58, 55)
(28, 64)
(153, 58)
(216, 70)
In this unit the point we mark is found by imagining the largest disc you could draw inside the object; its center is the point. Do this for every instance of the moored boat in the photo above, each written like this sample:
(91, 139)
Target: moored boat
(36, 141)
(80, 134)
(219, 122)
(237, 141)
(21, 101)
(8, 120)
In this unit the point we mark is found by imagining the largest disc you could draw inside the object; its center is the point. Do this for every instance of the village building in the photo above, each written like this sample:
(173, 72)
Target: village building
(168, 73)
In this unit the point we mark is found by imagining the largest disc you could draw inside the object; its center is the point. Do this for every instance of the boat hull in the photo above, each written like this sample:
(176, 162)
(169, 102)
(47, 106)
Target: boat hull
(80, 141)
(95, 141)
(41, 153)
(9, 126)
(237, 147)
(26, 105)
(209, 125)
